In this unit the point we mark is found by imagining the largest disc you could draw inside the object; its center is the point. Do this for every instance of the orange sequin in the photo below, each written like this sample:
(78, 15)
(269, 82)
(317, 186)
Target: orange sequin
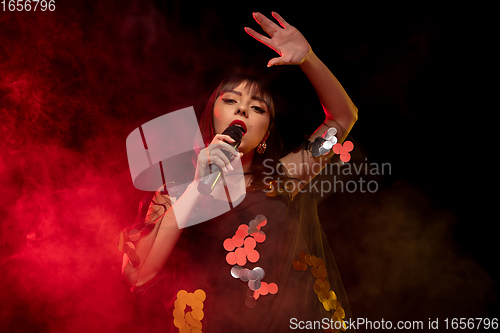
(321, 287)
(189, 321)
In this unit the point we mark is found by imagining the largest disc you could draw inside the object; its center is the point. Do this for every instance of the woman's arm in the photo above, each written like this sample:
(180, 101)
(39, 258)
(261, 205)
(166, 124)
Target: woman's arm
(155, 248)
(336, 103)
(294, 49)
(340, 112)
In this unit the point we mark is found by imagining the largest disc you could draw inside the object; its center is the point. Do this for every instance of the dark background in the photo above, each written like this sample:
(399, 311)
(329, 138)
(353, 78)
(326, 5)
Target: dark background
(75, 82)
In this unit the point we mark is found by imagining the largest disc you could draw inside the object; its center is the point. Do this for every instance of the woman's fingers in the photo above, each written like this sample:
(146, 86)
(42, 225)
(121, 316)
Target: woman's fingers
(218, 156)
(224, 146)
(275, 61)
(217, 160)
(269, 26)
(281, 21)
(216, 153)
(271, 29)
(261, 38)
(222, 138)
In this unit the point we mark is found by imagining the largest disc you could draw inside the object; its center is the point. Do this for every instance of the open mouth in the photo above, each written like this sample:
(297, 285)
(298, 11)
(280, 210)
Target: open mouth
(239, 124)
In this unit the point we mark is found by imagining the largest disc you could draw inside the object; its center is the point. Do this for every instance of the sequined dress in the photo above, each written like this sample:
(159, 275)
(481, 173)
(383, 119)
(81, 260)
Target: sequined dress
(264, 266)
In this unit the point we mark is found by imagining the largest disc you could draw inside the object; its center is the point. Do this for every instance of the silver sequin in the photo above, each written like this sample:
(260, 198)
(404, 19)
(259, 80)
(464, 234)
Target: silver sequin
(252, 275)
(243, 274)
(254, 285)
(235, 271)
(330, 133)
(327, 145)
(260, 273)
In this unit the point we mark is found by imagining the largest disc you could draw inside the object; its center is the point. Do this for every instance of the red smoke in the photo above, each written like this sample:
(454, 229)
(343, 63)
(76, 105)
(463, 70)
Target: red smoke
(71, 89)
(73, 84)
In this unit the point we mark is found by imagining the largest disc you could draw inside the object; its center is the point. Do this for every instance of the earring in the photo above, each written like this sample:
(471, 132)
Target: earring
(261, 148)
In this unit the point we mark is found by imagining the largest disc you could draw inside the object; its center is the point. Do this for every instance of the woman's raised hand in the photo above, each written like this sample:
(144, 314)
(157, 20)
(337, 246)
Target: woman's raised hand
(286, 40)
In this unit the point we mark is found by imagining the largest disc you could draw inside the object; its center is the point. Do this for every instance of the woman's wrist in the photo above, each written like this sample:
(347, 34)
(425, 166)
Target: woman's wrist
(192, 190)
(310, 61)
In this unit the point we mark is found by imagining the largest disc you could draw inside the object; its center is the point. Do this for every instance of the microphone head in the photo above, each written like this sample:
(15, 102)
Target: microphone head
(235, 133)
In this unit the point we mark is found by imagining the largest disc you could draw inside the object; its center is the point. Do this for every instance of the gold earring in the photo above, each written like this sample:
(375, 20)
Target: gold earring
(261, 148)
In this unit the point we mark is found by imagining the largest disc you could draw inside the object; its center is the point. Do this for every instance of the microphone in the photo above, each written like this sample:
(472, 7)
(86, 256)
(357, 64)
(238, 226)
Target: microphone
(213, 173)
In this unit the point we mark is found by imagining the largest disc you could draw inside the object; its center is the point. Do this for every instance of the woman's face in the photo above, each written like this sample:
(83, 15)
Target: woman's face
(239, 105)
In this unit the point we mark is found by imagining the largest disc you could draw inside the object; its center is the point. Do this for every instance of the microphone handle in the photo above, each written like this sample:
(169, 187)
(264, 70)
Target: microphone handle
(212, 175)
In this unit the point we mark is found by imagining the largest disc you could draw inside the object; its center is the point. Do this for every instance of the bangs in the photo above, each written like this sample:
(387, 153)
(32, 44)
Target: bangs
(255, 88)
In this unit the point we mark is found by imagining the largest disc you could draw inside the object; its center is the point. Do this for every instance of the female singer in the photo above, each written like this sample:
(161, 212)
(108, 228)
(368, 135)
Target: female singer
(265, 265)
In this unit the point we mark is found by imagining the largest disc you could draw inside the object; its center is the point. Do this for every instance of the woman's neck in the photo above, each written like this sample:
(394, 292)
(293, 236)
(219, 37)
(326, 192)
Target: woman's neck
(246, 161)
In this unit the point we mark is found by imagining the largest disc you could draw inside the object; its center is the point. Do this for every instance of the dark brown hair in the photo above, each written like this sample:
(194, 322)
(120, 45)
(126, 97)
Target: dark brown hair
(274, 143)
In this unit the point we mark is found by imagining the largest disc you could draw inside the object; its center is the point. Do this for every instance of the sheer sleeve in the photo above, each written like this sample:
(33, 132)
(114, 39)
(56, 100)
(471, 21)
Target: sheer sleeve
(136, 240)
(305, 163)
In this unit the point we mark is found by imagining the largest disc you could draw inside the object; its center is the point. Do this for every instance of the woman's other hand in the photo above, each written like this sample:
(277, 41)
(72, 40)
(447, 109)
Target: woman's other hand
(286, 40)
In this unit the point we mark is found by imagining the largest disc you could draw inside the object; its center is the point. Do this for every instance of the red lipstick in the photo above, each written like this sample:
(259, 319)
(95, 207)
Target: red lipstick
(241, 124)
